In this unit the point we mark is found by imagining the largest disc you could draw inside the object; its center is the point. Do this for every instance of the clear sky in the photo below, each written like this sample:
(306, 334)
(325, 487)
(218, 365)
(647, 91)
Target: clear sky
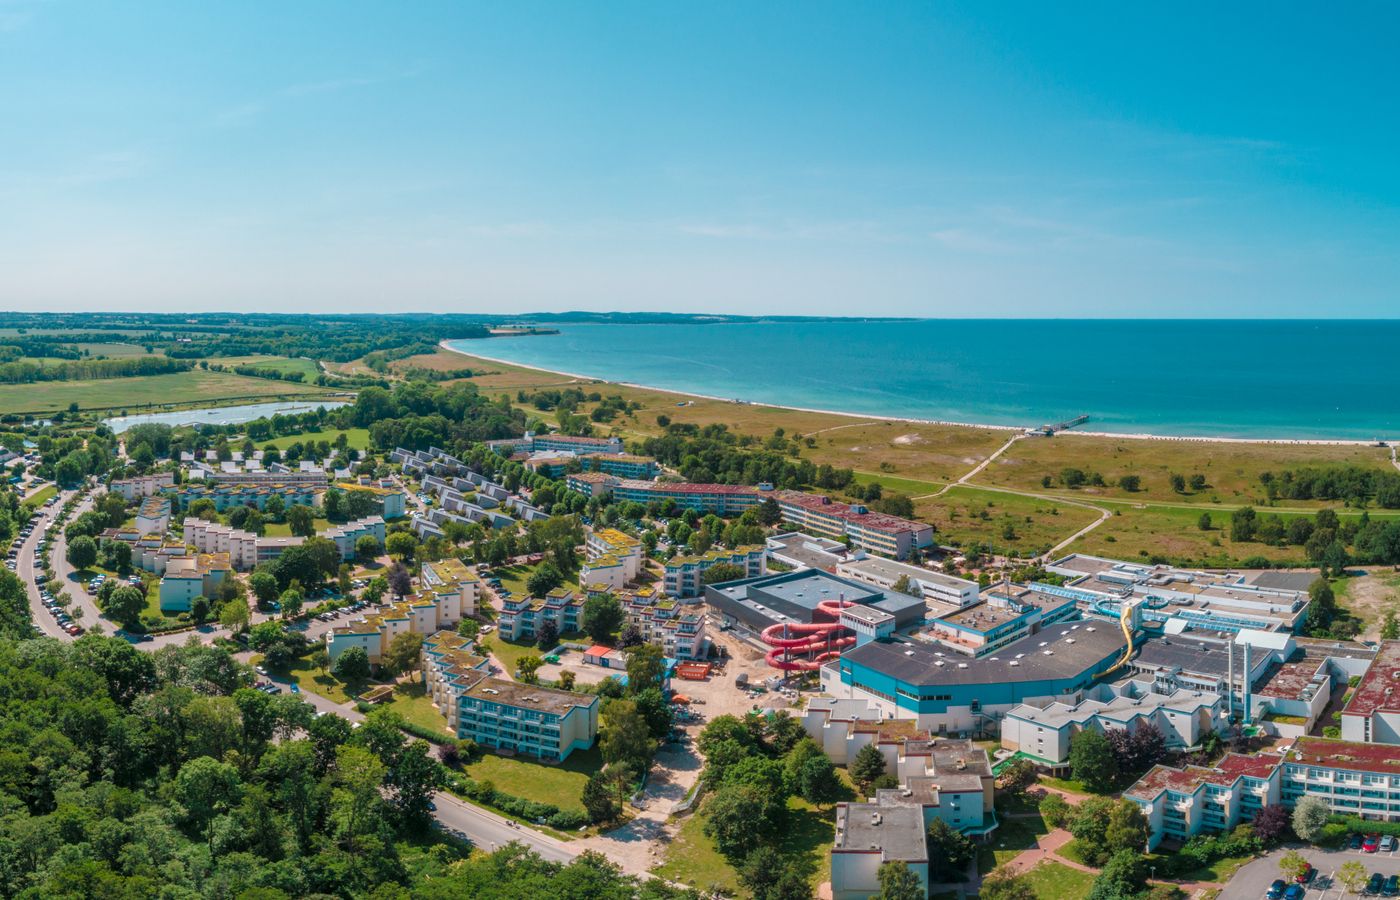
(931, 159)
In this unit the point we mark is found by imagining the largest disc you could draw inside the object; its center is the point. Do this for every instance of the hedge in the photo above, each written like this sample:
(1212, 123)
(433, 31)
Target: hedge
(529, 810)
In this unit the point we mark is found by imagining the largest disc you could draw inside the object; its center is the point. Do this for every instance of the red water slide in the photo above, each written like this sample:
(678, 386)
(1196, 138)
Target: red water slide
(819, 638)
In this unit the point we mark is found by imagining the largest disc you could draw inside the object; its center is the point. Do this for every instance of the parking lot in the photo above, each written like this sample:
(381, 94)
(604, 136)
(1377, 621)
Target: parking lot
(1252, 881)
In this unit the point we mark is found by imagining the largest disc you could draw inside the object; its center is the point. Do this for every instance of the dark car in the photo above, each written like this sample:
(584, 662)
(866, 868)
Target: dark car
(1294, 892)
(1354, 842)
(1391, 888)
(1374, 886)
(1276, 889)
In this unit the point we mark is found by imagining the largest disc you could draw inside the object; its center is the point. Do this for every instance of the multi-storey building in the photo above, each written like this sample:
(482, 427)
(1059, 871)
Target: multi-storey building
(533, 443)
(1356, 779)
(423, 613)
(153, 516)
(886, 573)
(143, 486)
(677, 628)
(388, 501)
(557, 463)
(542, 722)
(1042, 733)
(1372, 715)
(345, 536)
(521, 617)
(451, 576)
(684, 573)
(617, 552)
(313, 477)
(876, 532)
(226, 496)
(1006, 615)
(188, 577)
(720, 499)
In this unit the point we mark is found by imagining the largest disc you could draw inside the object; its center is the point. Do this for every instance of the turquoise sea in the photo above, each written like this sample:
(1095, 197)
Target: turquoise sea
(1248, 379)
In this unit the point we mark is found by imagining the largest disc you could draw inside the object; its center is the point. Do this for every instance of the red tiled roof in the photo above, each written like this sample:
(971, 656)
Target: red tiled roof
(1377, 689)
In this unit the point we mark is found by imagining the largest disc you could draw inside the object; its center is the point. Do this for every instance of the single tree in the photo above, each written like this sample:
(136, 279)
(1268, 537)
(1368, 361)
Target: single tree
(1271, 824)
(403, 653)
(949, 852)
(602, 616)
(1002, 883)
(598, 799)
(1352, 875)
(566, 680)
(868, 764)
(1092, 762)
(401, 544)
(1203, 522)
(291, 601)
(82, 552)
(547, 634)
(817, 781)
(898, 882)
(301, 520)
(527, 668)
(352, 665)
(233, 615)
(368, 548)
(126, 605)
(1310, 816)
(722, 571)
(1292, 864)
(400, 581)
(264, 587)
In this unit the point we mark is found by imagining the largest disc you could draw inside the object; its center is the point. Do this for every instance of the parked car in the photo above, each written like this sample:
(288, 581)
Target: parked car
(1388, 843)
(1354, 842)
(1276, 889)
(1391, 888)
(1294, 892)
(1371, 844)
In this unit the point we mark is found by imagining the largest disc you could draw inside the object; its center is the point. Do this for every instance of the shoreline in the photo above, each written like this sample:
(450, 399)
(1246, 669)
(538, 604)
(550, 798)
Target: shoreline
(1019, 429)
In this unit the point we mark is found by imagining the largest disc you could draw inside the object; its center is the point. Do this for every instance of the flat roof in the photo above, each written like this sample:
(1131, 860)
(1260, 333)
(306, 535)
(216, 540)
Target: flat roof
(1380, 759)
(1021, 661)
(896, 830)
(891, 569)
(1377, 688)
(529, 696)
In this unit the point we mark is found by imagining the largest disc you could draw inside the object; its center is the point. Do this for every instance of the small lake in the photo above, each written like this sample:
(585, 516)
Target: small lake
(220, 415)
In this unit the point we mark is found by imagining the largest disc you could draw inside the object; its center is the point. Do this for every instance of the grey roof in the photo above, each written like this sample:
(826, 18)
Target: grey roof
(1119, 709)
(895, 829)
(1192, 655)
(888, 568)
(919, 663)
(1287, 581)
(867, 614)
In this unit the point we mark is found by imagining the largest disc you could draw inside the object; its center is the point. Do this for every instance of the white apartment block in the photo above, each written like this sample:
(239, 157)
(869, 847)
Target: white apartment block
(143, 486)
(452, 577)
(419, 614)
(1043, 732)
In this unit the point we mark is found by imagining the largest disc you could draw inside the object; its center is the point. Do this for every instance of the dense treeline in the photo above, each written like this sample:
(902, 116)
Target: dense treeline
(1354, 485)
(417, 415)
(716, 454)
(89, 369)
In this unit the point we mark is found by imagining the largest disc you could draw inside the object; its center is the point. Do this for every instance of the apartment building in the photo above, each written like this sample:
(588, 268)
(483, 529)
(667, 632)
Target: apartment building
(345, 536)
(452, 576)
(226, 496)
(875, 532)
(1042, 732)
(188, 577)
(142, 486)
(1356, 779)
(534, 443)
(720, 499)
(612, 557)
(153, 515)
(423, 613)
(388, 501)
(311, 477)
(684, 573)
(556, 464)
(679, 629)
(521, 617)
(519, 718)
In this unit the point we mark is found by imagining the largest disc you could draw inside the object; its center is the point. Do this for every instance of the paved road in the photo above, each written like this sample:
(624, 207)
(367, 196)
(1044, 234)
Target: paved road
(1252, 881)
(491, 832)
(25, 570)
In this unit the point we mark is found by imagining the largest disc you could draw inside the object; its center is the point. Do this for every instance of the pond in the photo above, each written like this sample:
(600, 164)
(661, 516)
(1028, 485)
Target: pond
(220, 415)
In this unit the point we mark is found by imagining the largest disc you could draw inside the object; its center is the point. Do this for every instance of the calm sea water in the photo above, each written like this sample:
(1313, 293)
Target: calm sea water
(1274, 379)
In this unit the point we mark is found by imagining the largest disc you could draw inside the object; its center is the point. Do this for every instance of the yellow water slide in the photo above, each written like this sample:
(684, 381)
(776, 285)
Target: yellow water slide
(1125, 620)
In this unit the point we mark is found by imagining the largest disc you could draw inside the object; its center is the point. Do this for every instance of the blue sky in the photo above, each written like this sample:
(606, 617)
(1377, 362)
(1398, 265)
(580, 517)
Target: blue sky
(880, 158)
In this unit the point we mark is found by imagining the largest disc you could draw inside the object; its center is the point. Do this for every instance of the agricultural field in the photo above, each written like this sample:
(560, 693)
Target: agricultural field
(281, 364)
(966, 515)
(1231, 470)
(145, 392)
(118, 351)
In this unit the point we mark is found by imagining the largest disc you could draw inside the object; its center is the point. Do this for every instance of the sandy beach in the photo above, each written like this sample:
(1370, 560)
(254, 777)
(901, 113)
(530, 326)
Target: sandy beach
(877, 418)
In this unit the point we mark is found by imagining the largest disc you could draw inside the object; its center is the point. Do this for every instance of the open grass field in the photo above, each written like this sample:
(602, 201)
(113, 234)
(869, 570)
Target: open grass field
(893, 484)
(1231, 470)
(357, 438)
(144, 392)
(276, 363)
(1055, 881)
(412, 703)
(41, 496)
(309, 678)
(1176, 534)
(560, 784)
(691, 858)
(439, 361)
(966, 515)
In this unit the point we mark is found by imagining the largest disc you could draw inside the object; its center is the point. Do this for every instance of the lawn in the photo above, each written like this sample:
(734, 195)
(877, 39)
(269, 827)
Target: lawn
(967, 515)
(893, 484)
(691, 858)
(521, 776)
(1010, 840)
(309, 678)
(282, 529)
(117, 351)
(1231, 470)
(357, 438)
(280, 364)
(42, 495)
(513, 578)
(511, 652)
(1053, 881)
(412, 703)
(142, 393)
(1176, 534)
